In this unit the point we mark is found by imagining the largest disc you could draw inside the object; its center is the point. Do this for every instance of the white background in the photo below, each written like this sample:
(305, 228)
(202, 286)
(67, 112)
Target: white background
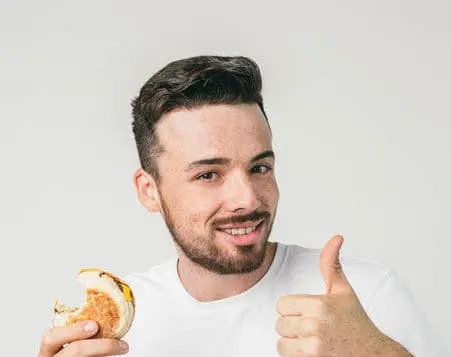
(358, 94)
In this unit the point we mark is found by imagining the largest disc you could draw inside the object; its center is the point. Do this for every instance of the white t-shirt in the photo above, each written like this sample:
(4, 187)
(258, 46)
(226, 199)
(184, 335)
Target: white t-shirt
(171, 323)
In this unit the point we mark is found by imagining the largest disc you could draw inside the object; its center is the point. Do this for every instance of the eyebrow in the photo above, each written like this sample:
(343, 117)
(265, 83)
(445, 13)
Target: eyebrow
(264, 155)
(224, 161)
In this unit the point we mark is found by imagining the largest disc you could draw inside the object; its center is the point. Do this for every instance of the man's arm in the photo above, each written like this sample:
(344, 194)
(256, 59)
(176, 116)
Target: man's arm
(395, 312)
(337, 324)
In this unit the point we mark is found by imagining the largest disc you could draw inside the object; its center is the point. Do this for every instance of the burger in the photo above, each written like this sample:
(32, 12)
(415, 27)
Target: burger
(110, 302)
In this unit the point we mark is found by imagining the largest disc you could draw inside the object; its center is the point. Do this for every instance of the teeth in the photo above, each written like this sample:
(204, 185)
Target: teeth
(237, 231)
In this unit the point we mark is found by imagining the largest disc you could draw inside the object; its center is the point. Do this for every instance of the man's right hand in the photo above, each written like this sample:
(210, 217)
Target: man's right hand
(74, 341)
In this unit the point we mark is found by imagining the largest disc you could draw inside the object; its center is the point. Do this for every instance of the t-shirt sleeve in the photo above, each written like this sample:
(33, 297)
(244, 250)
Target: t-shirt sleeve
(393, 310)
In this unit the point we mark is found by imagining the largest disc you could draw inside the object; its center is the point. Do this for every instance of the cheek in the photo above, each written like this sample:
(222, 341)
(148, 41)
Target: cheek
(269, 193)
(190, 209)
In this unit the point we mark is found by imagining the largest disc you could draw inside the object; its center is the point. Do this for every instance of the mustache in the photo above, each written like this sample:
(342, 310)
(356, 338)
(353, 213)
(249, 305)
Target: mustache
(253, 216)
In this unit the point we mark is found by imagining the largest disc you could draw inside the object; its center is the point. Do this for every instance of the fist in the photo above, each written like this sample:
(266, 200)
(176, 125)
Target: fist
(334, 324)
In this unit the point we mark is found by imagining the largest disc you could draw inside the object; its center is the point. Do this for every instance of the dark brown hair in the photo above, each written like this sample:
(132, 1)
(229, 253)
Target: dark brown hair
(190, 83)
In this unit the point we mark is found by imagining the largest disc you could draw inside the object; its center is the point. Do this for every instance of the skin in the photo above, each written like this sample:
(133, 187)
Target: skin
(334, 324)
(238, 184)
(197, 199)
(241, 187)
(78, 343)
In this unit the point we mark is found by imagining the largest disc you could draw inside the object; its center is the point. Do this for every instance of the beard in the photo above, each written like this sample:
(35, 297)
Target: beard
(203, 250)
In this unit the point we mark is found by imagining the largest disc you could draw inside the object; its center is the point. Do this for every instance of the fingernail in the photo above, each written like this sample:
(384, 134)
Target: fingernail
(123, 346)
(90, 326)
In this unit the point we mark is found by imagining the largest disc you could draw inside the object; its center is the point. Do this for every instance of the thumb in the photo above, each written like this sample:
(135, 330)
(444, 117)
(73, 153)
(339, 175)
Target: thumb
(331, 269)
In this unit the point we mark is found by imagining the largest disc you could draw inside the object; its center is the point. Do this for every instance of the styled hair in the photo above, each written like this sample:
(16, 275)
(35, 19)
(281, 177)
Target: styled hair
(190, 83)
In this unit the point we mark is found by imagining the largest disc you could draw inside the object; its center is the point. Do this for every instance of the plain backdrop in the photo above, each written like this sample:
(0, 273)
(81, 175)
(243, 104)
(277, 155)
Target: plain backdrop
(358, 94)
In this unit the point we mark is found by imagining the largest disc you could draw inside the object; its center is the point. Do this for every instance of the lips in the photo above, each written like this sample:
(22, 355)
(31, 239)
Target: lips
(247, 226)
(243, 234)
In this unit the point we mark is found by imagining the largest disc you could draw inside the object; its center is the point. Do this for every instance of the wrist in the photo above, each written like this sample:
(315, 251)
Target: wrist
(391, 348)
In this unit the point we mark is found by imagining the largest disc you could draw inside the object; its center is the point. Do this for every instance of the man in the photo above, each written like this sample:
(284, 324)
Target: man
(207, 166)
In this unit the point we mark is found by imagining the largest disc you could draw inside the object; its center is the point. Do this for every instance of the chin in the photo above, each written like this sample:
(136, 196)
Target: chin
(240, 259)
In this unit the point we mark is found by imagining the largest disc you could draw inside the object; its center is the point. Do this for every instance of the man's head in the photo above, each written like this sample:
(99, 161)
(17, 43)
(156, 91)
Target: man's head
(207, 163)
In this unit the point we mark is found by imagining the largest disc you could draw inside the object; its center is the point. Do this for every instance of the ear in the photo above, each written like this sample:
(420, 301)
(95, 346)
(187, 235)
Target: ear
(146, 190)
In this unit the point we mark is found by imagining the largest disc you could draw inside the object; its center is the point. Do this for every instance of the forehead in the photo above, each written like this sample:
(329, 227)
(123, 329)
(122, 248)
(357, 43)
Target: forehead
(237, 131)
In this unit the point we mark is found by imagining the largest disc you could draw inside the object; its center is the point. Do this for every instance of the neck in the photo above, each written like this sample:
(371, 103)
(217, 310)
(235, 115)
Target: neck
(204, 285)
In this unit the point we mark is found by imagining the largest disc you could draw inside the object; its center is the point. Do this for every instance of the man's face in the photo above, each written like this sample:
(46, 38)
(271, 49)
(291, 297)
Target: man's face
(217, 190)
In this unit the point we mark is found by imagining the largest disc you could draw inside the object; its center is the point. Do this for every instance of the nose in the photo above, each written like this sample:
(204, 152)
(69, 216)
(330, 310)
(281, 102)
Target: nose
(240, 194)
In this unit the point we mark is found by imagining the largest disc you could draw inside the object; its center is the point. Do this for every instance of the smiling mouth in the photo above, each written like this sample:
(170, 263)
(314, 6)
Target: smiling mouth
(242, 229)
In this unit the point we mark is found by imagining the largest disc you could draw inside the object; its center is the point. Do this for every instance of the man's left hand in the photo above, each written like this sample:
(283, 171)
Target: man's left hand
(330, 325)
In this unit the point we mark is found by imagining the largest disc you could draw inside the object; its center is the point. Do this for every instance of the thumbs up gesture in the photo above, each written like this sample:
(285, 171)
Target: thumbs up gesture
(330, 325)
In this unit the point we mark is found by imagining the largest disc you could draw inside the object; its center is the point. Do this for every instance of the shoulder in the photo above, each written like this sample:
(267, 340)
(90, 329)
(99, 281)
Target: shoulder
(301, 267)
(157, 279)
(152, 290)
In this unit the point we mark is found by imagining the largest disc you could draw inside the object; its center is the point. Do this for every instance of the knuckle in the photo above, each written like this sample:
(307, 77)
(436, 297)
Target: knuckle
(315, 346)
(78, 348)
(279, 324)
(297, 351)
(289, 327)
(280, 306)
(47, 339)
(109, 346)
(316, 326)
(288, 304)
(289, 348)
(92, 347)
(75, 349)
(281, 346)
(113, 345)
(322, 306)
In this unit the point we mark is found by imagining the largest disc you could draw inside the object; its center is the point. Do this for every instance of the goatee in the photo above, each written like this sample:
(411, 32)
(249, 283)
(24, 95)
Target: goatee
(204, 251)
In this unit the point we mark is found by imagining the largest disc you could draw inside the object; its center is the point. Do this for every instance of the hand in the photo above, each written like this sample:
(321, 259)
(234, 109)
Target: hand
(73, 341)
(330, 325)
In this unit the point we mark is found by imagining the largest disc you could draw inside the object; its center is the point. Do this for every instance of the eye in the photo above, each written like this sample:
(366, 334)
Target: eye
(208, 176)
(260, 169)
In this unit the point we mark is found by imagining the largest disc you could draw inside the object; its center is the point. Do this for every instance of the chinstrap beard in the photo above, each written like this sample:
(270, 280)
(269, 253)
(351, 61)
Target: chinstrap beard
(204, 251)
